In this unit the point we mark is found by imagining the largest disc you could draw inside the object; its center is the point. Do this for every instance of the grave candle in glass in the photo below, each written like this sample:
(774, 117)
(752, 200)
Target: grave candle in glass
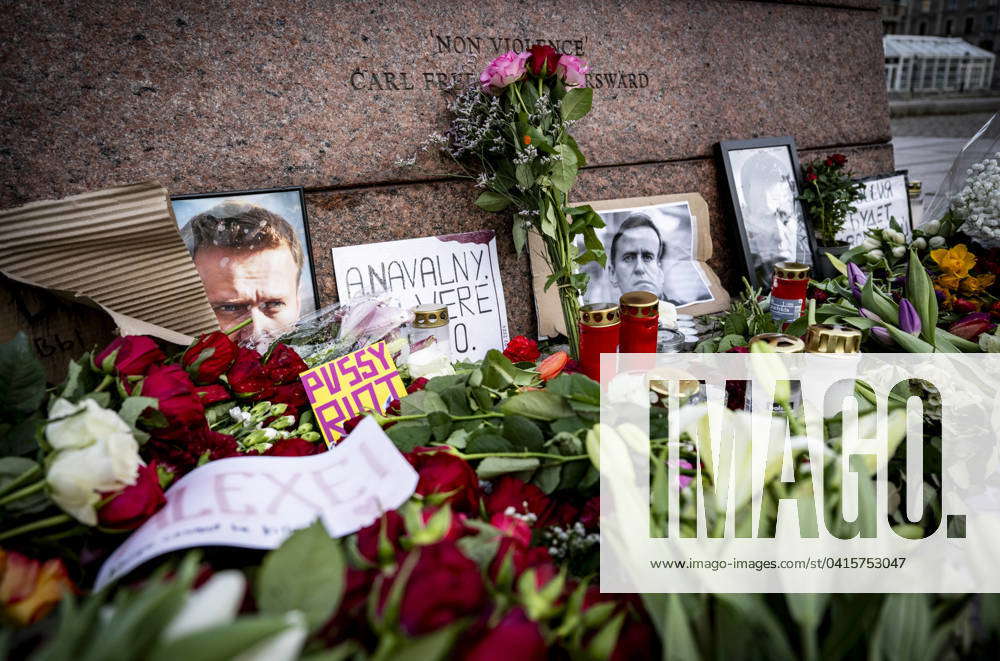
(430, 321)
(640, 321)
(600, 324)
(788, 291)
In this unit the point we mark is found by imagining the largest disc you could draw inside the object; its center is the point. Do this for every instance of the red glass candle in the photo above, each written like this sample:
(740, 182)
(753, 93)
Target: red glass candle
(600, 324)
(640, 321)
(789, 284)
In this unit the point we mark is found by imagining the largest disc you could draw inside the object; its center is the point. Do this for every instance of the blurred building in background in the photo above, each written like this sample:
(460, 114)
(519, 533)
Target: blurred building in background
(949, 69)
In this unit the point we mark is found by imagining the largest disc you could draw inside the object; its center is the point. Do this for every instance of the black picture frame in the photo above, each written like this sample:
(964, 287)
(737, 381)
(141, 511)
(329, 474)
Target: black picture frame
(259, 191)
(727, 175)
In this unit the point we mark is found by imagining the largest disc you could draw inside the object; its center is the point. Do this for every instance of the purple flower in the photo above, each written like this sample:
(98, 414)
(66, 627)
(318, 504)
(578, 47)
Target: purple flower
(909, 320)
(856, 278)
(868, 314)
(882, 335)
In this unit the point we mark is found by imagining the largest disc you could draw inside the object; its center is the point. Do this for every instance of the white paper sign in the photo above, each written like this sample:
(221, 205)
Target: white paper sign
(461, 271)
(885, 198)
(257, 502)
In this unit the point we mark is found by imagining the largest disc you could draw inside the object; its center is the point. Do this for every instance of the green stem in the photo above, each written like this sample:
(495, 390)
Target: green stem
(794, 424)
(243, 324)
(52, 521)
(517, 455)
(21, 493)
(420, 416)
(26, 476)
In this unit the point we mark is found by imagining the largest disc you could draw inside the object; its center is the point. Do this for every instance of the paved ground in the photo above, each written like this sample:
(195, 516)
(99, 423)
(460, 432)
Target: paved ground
(927, 145)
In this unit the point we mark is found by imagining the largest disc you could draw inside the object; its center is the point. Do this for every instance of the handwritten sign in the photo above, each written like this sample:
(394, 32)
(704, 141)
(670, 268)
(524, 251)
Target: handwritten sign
(365, 380)
(256, 502)
(885, 198)
(461, 271)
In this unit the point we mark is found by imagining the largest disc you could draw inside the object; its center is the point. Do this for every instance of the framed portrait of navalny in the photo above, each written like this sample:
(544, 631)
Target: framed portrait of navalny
(251, 249)
(657, 244)
(763, 181)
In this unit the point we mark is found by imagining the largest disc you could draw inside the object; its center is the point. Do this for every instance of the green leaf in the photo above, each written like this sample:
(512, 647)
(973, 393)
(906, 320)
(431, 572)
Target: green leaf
(908, 342)
(547, 479)
(798, 327)
(920, 291)
(523, 433)
(306, 573)
(22, 387)
(577, 103)
(409, 434)
(537, 405)
(430, 647)
(878, 303)
(519, 232)
(539, 141)
(564, 170)
(492, 467)
(422, 401)
(487, 441)
(20, 439)
(960, 343)
(491, 201)
(581, 160)
(440, 424)
(548, 221)
(222, 642)
(456, 398)
(837, 264)
(132, 408)
(525, 177)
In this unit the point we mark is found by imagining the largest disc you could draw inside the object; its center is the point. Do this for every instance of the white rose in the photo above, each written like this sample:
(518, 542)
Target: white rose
(871, 243)
(898, 251)
(931, 227)
(79, 425)
(919, 243)
(668, 315)
(95, 453)
(936, 241)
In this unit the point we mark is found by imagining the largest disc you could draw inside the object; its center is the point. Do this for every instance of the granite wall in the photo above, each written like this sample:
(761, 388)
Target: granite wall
(211, 96)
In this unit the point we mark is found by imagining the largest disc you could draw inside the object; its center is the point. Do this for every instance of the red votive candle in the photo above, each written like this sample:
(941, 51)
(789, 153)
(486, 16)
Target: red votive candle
(600, 324)
(640, 321)
(789, 285)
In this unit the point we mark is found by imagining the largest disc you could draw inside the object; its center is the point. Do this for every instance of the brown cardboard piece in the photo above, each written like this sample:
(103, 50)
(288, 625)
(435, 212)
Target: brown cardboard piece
(116, 250)
(548, 310)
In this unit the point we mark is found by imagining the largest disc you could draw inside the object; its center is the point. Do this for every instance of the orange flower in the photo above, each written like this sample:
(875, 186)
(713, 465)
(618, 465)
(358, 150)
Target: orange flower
(30, 589)
(955, 261)
(949, 297)
(949, 282)
(977, 284)
(527, 139)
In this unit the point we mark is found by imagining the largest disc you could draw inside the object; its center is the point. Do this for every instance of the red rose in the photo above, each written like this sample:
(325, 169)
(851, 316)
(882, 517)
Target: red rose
(209, 358)
(292, 394)
(811, 177)
(516, 637)
(522, 349)
(563, 515)
(443, 587)
(247, 377)
(295, 447)
(839, 159)
(543, 60)
(995, 310)
(284, 365)
(177, 401)
(738, 349)
(130, 508)
(201, 445)
(369, 538)
(443, 473)
(828, 162)
(212, 394)
(131, 355)
(523, 497)
(513, 527)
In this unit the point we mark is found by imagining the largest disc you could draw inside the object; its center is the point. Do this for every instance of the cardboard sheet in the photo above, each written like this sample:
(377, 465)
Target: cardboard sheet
(117, 248)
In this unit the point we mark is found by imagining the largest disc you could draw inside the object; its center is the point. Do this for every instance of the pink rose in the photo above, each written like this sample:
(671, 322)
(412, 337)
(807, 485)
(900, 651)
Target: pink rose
(503, 71)
(573, 70)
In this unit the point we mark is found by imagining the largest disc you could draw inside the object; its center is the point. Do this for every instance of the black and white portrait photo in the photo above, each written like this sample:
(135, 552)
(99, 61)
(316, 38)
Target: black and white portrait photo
(764, 189)
(251, 250)
(649, 248)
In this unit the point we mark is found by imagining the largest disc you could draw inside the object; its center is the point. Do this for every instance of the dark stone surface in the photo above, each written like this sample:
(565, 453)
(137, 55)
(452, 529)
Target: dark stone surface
(205, 96)
(385, 213)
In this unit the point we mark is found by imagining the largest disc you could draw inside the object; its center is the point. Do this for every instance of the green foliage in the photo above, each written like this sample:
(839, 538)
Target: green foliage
(829, 194)
(306, 573)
